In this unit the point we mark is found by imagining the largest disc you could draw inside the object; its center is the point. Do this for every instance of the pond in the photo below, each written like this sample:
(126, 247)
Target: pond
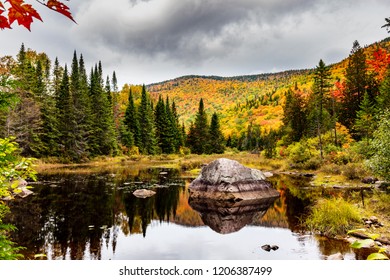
(81, 216)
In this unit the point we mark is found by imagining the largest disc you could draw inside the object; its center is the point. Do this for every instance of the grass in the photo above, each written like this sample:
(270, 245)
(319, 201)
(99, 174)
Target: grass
(333, 217)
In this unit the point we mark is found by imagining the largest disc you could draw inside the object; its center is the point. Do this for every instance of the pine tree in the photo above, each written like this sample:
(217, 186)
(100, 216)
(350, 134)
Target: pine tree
(216, 142)
(147, 129)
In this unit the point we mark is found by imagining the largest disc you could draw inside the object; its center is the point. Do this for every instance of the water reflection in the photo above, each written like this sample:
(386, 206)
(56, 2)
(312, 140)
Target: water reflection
(229, 216)
(95, 216)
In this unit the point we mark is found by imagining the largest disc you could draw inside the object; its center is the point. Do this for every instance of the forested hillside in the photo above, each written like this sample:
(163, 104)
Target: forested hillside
(255, 99)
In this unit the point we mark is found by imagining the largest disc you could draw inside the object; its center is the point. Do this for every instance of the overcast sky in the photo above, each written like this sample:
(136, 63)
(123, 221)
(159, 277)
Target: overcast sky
(148, 41)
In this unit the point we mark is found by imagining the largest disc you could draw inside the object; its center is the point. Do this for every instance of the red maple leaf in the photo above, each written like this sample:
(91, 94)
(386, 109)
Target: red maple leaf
(22, 13)
(3, 20)
(59, 7)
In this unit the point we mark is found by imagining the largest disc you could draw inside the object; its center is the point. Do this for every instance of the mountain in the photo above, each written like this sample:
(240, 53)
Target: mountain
(243, 100)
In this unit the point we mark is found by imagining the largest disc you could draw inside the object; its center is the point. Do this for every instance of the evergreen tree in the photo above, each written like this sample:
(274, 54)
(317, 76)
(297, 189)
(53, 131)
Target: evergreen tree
(108, 90)
(383, 99)
(81, 110)
(131, 121)
(103, 140)
(216, 143)
(163, 127)
(147, 129)
(270, 140)
(66, 119)
(171, 128)
(115, 103)
(321, 89)
(364, 124)
(179, 137)
(126, 136)
(199, 132)
(294, 116)
(57, 77)
(49, 135)
(356, 83)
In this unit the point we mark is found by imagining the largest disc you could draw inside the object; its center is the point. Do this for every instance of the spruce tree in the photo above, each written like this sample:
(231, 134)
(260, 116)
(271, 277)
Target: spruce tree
(216, 142)
(321, 89)
(364, 123)
(147, 128)
(356, 83)
(171, 128)
(294, 117)
(66, 119)
(103, 140)
(162, 126)
(81, 110)
(179, 137)
(199, 132)
(115, 103)
(49, 135)
(383, 99)
(131, 120)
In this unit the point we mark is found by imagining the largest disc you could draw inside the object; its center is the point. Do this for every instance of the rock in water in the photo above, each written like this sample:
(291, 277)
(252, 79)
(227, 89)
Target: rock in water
(142, 193)
(225, 179)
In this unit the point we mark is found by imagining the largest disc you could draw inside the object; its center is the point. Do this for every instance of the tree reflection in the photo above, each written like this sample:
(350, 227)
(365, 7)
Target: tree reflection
(78, 214)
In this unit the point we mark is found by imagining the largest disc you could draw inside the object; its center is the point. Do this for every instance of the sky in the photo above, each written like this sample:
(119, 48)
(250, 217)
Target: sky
(148, 41)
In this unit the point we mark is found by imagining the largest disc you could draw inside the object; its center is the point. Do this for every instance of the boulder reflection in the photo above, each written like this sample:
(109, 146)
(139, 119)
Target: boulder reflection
(225, 217)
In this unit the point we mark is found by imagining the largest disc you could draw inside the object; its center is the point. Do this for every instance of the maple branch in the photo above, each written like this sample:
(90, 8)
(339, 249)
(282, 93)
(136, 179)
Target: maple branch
(387, 25)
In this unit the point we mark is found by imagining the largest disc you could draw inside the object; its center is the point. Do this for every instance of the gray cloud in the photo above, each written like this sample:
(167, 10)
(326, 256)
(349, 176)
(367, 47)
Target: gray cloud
(186, 30)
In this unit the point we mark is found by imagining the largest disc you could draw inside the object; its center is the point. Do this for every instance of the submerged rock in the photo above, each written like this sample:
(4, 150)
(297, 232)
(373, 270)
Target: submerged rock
(225, 179)
(143, 193)
(268, 247)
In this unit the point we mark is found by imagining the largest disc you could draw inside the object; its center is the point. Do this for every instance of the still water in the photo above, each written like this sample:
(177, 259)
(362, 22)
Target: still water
(77, 215)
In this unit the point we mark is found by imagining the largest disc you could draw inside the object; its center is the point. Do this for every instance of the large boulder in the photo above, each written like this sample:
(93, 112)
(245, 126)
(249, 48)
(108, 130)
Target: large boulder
(225, 179)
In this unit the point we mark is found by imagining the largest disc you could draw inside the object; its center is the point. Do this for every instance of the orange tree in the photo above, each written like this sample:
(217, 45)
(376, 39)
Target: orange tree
(24, 14)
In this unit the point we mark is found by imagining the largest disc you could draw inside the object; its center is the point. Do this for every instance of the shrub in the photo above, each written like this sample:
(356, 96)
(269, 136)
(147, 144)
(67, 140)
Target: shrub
(333, 216)
(298, 152)
(353, 171)
(331, 169)
(312, 164)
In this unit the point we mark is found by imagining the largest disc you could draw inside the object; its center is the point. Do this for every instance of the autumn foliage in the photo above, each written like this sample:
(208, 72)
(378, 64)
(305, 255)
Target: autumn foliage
(24, 14)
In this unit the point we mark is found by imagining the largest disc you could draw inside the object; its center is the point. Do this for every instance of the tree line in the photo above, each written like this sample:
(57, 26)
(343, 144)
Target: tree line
(64, 112)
